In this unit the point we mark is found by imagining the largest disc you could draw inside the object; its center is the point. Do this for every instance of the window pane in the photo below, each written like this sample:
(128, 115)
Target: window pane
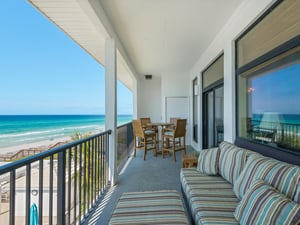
(269, 109)
(214, 72)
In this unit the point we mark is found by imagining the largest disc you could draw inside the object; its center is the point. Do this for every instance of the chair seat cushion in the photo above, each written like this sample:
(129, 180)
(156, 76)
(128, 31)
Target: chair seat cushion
(169, 133)
(149, 132)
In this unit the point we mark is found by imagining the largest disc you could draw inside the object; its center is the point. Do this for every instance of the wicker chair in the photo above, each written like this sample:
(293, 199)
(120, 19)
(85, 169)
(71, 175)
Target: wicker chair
(145, 121)
(173, 139)
(173, 120)
(146, 137)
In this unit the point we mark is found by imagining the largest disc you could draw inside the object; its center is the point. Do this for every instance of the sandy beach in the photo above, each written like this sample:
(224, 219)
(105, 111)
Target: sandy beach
(41, 145)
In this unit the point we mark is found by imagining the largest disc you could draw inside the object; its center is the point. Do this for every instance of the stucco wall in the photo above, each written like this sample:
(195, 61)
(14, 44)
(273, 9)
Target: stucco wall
(150, 98)
(176, 84)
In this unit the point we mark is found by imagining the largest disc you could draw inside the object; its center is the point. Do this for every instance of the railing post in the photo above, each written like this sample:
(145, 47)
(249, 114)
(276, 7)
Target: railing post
(41, 173)
(12, 197)
(282, 133)
(27, 193)
(61, 188)
(106, 147)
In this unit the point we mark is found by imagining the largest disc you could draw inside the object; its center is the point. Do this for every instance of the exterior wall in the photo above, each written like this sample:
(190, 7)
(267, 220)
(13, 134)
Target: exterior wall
(176, 84)
(150, 98)
(244, 16)
(153, 93)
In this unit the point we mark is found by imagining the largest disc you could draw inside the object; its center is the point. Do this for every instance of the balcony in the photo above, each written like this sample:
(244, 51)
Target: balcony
(70, 184)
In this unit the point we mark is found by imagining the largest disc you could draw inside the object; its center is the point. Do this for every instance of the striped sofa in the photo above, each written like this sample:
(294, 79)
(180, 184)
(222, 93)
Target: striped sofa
(233, 186)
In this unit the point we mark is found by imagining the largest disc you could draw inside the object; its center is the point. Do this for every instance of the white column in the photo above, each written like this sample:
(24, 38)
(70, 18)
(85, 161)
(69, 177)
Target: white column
(111, 105)
(229, 93)
(135, 95)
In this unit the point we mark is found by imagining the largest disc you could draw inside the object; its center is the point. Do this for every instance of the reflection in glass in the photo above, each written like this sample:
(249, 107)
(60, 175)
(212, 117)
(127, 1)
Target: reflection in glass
(269, 110)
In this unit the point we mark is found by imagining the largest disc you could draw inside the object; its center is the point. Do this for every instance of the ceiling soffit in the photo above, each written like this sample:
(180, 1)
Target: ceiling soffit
(167, 35)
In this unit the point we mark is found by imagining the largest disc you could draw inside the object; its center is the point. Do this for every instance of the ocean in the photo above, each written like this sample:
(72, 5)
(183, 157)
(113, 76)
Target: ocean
(288, 119)
(24, 129)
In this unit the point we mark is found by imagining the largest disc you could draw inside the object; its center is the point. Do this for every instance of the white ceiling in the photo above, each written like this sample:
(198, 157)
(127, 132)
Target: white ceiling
(157, 36)
(167, 35)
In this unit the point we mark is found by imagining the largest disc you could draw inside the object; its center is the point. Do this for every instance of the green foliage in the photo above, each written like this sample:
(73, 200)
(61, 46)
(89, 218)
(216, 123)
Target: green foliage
(77, 135)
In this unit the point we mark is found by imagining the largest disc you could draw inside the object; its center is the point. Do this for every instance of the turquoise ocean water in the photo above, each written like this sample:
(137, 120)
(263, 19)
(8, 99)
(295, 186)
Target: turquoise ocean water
(24, 129)
(290, 119)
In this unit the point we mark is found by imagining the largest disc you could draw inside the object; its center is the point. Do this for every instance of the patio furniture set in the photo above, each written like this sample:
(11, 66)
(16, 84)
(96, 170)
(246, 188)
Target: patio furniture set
(146, 136)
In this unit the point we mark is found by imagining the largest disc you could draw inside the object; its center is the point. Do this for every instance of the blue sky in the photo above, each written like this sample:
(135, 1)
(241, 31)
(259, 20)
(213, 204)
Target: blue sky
(43, 71)
(277, 91)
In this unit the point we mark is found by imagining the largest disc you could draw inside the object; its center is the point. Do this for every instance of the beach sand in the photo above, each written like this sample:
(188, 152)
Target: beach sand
(41, 145)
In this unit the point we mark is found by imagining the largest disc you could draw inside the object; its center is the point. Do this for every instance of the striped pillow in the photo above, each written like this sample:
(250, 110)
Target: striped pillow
(297, 195)
(231, 161)
(264, 205)
(283, 176)
(208, 161)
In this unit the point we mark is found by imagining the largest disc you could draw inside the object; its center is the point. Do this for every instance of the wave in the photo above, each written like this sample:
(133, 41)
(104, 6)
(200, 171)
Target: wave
(41, 132)
(40, 138)
(29, 133)
(18, 130)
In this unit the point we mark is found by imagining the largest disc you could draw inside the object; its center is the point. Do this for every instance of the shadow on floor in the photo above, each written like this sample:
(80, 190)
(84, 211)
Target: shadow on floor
(153, 174)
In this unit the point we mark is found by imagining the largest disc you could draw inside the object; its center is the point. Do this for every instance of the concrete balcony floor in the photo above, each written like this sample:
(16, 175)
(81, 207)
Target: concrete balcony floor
(155, 173)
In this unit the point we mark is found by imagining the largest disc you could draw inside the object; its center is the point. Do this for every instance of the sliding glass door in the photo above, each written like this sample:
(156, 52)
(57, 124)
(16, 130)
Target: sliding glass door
(213, 117)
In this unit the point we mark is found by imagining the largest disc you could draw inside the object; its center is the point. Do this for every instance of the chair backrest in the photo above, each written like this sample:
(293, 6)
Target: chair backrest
(180, 128)
(145, 121)
(173, 120)
(137, 128)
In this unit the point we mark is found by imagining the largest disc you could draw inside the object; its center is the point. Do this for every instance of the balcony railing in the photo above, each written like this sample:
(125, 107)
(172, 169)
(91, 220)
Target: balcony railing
(284, 135)
(125, 144)
(65, 183)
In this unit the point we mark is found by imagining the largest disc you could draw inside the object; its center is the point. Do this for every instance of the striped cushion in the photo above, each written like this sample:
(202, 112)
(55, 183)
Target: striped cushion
(149, 131)
(231, 161)
(213, 204)
(297, 195)
(153, 207)
(208, 161)
(284, 177)
(264, 205)
(192, 180)
(211, 198)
